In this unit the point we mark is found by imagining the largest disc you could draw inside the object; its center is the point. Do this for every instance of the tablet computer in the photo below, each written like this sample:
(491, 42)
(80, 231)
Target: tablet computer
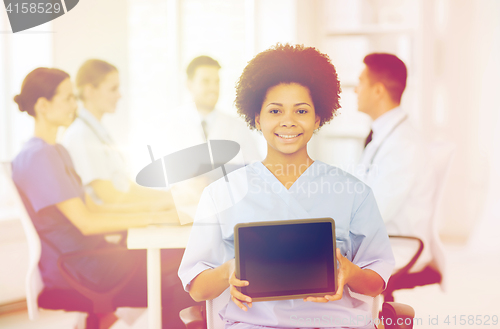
(287, 259)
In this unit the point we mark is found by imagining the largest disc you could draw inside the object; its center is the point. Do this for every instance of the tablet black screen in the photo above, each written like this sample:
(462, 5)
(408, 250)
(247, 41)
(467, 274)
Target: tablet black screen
(287, 259)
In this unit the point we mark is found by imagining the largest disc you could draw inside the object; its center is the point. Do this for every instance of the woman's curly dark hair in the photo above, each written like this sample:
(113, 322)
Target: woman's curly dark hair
(288, 64)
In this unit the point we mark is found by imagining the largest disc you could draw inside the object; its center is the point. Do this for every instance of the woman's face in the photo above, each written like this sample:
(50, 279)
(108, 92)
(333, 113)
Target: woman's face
(287, 118)
(106, 95)
(61, 110)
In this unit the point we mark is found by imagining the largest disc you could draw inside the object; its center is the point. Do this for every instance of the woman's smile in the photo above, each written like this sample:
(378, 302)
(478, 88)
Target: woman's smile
(287, 119)
(288, 138)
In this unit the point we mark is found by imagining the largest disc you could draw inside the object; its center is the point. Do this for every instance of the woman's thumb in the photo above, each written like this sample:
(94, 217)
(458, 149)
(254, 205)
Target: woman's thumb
(340, 258)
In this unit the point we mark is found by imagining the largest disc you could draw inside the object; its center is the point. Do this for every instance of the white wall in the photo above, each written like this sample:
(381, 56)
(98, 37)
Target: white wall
(465, 109)
(97, 29)
(485, 138)
(20, 53)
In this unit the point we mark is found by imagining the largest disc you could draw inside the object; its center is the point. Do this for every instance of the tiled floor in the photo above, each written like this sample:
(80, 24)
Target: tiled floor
(473, 288)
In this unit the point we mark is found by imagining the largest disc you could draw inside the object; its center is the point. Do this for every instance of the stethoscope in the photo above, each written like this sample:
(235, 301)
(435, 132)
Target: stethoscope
(101, 138)
(384, 140)
(120, 177)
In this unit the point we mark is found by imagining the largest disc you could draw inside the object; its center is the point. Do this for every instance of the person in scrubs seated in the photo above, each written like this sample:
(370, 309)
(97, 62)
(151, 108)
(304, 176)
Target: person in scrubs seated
(287, 93)
(95, 155)
(66, 218)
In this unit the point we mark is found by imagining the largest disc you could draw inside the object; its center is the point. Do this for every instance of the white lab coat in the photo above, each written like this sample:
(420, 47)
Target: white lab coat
(393, 164)
(94, 153)
(180, 128)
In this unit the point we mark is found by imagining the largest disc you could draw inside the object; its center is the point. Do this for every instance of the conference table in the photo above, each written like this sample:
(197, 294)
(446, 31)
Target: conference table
(153, 239)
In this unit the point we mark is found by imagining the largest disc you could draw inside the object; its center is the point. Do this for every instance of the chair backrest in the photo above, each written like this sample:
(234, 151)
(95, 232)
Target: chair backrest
(442, 154)
(213, 307)
(34, 284)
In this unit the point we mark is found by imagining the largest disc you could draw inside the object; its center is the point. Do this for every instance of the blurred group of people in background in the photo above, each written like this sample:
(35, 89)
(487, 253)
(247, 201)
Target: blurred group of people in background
(78, 189)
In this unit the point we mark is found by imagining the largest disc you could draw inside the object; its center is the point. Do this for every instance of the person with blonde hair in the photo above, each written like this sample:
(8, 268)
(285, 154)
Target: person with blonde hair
(97, 160)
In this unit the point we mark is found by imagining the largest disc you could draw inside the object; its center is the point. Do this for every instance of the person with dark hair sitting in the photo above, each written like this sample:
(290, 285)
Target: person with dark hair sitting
(288, 92)
(393, 161)
(68, 221)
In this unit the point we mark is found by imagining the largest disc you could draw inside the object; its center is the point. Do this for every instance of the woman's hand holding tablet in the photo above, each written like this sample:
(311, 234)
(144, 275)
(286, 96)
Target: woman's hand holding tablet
(363, 281)
(236, 296)
(347, 273)
(344, 273)
(285, 259)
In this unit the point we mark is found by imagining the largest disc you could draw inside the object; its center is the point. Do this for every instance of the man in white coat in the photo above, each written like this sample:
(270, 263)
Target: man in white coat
(393, 162)
(196, 123)
(200, 120)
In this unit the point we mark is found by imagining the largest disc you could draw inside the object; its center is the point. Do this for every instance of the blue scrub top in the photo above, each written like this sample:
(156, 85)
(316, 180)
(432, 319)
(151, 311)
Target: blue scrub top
(254, 194)
(44, 175)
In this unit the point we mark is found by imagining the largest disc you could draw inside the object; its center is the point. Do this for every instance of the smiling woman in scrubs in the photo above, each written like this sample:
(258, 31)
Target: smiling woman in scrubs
(97, 160)
(288, 92)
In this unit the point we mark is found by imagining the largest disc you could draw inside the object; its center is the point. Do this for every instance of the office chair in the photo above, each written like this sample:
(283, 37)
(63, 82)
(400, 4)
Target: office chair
(435, 272)
(95, 303)
(199, 317)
